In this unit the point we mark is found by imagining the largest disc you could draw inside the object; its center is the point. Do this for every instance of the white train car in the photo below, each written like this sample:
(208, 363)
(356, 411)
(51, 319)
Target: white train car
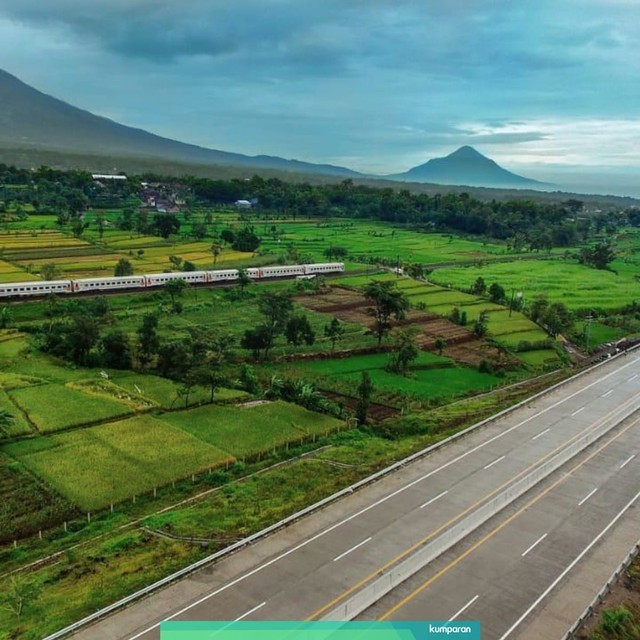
(283, 271)
(222, 275)
(254, 272)
(328, 267)
(39, 288)
(108, 284)
(160, 279)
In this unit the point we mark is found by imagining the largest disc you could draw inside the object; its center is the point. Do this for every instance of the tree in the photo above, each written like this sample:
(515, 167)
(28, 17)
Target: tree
(255, 340)
(276, 309)
(364, 391)
(16, 594)
(538, 308)
(598, 256)
(439, 344)
(148, 340)
(246, 240)
(166, 224)
(299, 330)
(388, 301)
(497, 293)
(176, 262)
(228, 236)
(199, 230)
(208, 375)
(82, 336)
(175, 289)
(48, 271)
(6, 317)
(480, 324)
(335, 252)
(116, 350)
(405, 351)
(123, 268)
(334, 331)
(244, 280)
(174, 359)
(557, 318)
(216, 249)
(479, 286)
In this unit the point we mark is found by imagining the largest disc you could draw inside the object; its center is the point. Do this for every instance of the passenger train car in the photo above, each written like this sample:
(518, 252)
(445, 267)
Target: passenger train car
(46, 287)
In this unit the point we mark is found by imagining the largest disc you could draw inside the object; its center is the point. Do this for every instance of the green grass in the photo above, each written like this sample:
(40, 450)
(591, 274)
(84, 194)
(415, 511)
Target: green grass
(244, 431)
(54, 407)
(100, 465)
(540, 358)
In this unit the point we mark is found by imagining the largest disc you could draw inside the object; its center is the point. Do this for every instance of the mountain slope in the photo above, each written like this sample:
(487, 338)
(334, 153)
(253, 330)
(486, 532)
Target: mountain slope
(466, 166)
(34, 120)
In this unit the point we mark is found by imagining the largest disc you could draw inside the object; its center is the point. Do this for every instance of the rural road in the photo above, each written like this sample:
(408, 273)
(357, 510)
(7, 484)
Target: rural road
(314, 565)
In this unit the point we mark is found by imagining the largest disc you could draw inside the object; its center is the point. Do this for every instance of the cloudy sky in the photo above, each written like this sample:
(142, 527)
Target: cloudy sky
(549, 88)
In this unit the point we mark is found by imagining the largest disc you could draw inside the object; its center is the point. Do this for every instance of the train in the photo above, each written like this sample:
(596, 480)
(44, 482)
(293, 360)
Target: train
(115, 283)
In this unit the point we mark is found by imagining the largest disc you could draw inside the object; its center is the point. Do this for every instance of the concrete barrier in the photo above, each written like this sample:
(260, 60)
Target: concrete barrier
(432, 549)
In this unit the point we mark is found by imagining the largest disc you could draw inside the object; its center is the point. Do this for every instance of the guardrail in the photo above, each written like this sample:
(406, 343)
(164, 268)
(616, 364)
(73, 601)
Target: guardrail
(600, 596)
(436, 547)
(163, 582)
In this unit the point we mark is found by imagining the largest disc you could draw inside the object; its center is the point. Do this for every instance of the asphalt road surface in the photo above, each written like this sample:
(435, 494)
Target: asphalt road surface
(501, 575)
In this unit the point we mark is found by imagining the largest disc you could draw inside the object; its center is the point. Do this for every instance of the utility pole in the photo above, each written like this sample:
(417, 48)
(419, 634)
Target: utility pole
(587, 329)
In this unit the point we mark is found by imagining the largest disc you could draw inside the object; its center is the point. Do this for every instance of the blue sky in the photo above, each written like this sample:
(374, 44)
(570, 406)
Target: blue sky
(548, 88)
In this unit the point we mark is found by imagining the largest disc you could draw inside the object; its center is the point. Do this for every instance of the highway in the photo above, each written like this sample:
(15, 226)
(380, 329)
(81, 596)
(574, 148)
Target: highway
(313, 567)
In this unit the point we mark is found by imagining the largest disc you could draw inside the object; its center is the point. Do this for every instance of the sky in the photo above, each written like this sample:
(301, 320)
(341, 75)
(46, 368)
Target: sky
(548, 88)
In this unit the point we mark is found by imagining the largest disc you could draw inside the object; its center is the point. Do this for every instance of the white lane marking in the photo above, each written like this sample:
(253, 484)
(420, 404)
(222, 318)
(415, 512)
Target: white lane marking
(348, 551)
(633, 377)
(534, 545)
(575, 413)
(500, 459)
(244, 615)
(466, 606)
(627, 461)
(426, 504)
(541, 434)
(583, 553)
(382, 500)
(608, 393)
(587, 497)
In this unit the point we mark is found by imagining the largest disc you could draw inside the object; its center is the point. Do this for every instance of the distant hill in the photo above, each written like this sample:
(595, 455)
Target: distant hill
(466, 166)
(33, 120)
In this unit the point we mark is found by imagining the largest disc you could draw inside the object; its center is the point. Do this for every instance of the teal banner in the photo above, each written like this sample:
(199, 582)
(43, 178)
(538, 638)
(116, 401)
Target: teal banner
(250, 630)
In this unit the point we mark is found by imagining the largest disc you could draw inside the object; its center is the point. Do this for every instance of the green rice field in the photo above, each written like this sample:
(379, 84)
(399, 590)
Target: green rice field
(100, 465)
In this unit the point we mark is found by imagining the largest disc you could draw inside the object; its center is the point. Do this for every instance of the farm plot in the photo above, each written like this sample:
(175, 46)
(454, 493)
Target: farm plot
(100, 465)
(246, 431)
(165, 393)
(27, 505)
(53, 407)
(369, 240)
(430, 377)
(578, 286)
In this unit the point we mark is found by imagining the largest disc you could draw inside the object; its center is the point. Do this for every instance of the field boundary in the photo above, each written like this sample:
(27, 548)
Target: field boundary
(145, 591)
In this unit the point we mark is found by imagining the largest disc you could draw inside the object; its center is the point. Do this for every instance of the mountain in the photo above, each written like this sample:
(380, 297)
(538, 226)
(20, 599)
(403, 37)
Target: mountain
(33, 120)
(466, 166)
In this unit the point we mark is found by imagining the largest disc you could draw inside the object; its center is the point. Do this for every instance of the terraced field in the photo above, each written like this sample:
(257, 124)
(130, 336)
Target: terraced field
(578, 286)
